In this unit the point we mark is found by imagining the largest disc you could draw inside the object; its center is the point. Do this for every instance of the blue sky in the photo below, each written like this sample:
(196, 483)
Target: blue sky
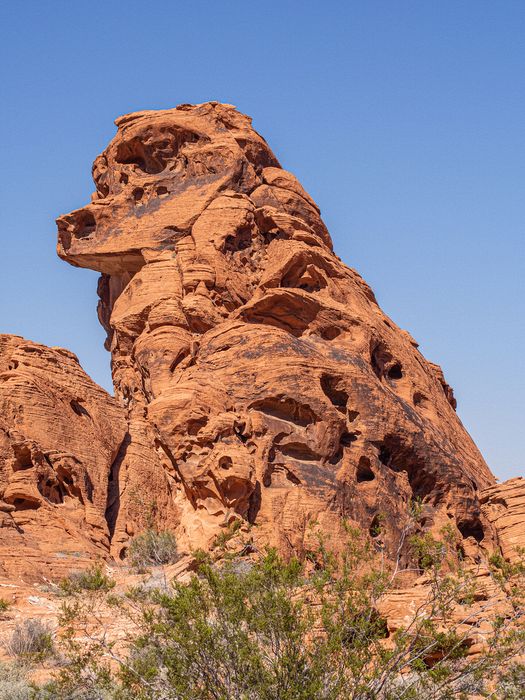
(403, 118)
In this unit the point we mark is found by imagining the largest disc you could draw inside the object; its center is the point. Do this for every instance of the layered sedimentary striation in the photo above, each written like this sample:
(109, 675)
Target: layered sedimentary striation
(59, 435)
(504, 506)
(260, 378)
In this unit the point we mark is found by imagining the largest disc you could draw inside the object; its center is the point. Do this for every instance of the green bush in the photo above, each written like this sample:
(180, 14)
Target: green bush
(226, 535)
(14, 684)
(93, 579)
(152, 548)
(31, 639)
(512, 682)
(4, 607)
(291, 630)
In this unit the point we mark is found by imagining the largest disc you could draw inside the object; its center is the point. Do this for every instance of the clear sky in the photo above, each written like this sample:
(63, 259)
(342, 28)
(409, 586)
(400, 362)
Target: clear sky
(405, 120)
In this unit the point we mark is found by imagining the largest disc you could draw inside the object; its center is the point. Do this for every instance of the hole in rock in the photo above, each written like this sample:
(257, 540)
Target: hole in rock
(395, 372)
(152, 150)
(257, 154)
(419, 399)
(124, 179)
(375, 526)
(89, 486)
(255, 503)
(337, 456)
(114, 486)
(287, 409)
(364, 471)
(332, 388)
(178, 359)
(293, 478)
(161, 190)
(239, 429)
(347, 439)
(330, 333)
(225, 463)
(309, 278)
(26, 504)
(298, 451)
(23, 458)
(85, 224)
(138, 193)
(78, 408)
(240, 240)
(51, 490)
(384, 455)
(309, 287)
(284, 309)
(380, 357)
(400, 457)
(471, 528)
(134, 152)
(101, 185)
(422, 482)
(195, 425)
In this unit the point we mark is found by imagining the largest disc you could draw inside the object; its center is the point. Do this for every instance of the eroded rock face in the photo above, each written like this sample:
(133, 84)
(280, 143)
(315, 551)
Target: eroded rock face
(504, 506)
(261, 379)
(59, 435)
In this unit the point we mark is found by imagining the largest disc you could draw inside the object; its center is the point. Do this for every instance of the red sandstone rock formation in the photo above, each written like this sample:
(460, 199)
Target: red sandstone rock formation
(504, 506)
(261, 379)
(59, 435)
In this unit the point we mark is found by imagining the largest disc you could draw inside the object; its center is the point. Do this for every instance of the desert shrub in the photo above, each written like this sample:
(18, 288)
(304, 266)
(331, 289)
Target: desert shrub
(4, 607)
(93, 579)
(226, 535)
(30, 639)
(512, 682)
(293, 630)
(14, 684)
(152, 548)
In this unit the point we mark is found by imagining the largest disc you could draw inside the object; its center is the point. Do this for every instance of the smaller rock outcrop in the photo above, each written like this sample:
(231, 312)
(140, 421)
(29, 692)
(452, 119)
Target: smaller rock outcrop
(504, 506)
(60, 433)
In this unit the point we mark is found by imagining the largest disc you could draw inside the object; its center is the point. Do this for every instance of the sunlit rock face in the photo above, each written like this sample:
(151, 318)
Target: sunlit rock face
(504, 506)
(60, 434)
(262, 381)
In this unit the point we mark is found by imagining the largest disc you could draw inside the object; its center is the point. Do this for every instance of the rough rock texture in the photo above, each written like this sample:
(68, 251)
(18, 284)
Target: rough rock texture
(59, 435)
(504, 506)
(261, 379)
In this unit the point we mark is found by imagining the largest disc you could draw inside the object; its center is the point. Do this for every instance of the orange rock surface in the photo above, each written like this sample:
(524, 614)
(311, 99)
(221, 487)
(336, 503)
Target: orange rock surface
(504, 506)
(59, 435)
(260, 378)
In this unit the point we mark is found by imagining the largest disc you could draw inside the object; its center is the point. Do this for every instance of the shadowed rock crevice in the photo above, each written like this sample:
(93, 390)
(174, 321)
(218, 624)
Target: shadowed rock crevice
(398, 456)
(114, 487)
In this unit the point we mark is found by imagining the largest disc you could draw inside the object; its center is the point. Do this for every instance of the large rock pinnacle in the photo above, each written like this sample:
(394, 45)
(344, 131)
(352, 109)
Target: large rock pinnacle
(261, 379)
